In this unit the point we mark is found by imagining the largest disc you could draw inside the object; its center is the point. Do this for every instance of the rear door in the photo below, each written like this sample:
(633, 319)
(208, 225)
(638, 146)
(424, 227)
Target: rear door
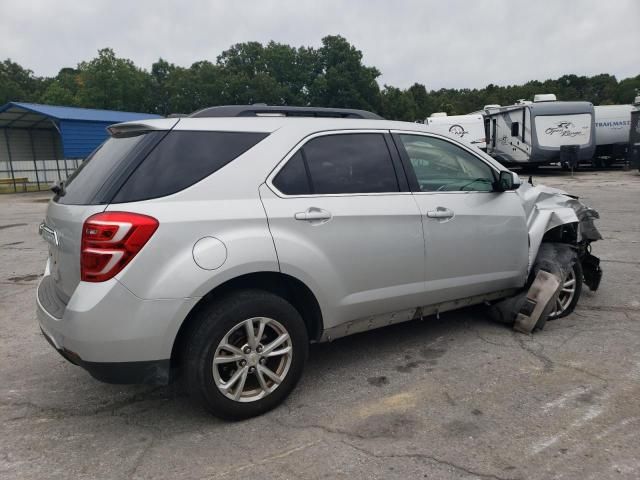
(344, 222)
(476, 240)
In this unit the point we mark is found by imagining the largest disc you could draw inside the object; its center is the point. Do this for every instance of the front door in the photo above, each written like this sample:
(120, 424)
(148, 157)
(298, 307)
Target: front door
(476, 239)
(342, 225)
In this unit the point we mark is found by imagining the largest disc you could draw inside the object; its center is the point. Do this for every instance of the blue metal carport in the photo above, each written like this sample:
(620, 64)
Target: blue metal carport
(36, 139)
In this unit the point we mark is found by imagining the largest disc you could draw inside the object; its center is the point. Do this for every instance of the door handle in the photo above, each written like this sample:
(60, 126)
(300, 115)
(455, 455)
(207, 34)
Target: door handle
(440, 212)
(313, 214)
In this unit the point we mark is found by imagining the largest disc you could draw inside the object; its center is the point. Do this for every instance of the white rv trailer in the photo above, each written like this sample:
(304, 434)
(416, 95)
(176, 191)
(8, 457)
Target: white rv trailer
(468, 128)
(633, 153)
(540, 132)
(613, 124)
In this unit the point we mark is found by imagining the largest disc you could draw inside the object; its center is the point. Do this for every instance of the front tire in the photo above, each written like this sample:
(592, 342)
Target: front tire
(570, 293)
(246, 354)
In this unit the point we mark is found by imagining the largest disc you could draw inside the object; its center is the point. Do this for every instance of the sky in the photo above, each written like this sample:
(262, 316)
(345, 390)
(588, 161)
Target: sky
(441, 44)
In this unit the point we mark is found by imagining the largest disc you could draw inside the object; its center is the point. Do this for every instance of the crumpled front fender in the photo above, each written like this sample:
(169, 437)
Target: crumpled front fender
(547, 208)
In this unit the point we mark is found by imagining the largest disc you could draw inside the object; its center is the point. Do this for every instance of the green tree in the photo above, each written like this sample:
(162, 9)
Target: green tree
(113, 83)
(63, 89)
(424, 104)
(627, 90)
(17, 83)
(343, 80)
(333, 75)
(398, 104)
(160, 83)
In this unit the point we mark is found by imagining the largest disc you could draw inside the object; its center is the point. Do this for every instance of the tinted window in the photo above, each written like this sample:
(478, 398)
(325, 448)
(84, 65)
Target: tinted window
(442, 166)
(293, 178)
(83, 187)
(350, 163)
(183, 158)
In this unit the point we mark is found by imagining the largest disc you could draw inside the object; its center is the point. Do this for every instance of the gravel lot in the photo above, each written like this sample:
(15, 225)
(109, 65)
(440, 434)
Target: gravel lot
(455, 397)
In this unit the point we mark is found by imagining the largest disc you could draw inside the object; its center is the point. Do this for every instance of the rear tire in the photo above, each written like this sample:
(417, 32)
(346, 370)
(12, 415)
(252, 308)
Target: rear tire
(252, 374)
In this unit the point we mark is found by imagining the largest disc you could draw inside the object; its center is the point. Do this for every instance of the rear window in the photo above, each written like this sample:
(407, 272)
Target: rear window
(152, 165)
(183, 158)
(92, 177)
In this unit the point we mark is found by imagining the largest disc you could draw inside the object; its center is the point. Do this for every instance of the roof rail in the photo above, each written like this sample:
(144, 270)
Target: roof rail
(276, 111)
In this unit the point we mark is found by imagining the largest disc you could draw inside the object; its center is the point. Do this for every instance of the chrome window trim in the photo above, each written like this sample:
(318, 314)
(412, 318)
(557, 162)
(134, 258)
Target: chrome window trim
(326, 133)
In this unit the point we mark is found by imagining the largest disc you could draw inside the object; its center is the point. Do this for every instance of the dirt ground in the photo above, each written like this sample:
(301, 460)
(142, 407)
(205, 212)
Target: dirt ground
(448, 398)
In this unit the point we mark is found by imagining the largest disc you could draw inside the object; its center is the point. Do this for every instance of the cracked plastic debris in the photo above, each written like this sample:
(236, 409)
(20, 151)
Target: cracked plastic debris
(552, 258)
(539, 301)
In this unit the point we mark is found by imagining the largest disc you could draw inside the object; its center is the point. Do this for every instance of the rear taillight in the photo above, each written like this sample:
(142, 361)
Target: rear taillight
(110, 240)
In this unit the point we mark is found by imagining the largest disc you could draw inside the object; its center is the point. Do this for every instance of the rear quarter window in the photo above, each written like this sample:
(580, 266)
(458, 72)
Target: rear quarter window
(183, 158)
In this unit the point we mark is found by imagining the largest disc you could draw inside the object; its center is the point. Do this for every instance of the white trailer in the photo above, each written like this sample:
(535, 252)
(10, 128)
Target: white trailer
(540, 132)
(613, 123)
(468, 128)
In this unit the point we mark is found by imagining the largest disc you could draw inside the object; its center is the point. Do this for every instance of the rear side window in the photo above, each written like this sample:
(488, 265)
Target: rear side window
(293, 178)
(86, 185)
(183, 158)
(335, 164)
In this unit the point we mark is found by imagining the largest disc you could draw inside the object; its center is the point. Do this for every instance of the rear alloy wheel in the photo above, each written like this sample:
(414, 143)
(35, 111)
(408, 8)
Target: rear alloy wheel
(569, 294)
(245, 354)
(252, 359)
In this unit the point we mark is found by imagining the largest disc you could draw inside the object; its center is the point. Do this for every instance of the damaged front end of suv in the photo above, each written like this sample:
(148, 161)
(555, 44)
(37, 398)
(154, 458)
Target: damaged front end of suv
(561, 230)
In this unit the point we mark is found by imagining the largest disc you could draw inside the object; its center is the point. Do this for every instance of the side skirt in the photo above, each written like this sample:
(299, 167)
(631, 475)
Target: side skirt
(377, 321)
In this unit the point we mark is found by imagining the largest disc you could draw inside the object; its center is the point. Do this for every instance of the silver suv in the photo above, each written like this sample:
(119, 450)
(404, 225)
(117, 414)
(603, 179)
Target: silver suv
(220, 245)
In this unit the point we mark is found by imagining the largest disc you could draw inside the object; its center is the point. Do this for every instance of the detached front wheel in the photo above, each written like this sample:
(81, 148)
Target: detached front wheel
(246, 355)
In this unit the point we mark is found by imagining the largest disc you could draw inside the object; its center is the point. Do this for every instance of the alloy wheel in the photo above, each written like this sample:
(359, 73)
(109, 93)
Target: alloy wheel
(565, 297)
(252, 359)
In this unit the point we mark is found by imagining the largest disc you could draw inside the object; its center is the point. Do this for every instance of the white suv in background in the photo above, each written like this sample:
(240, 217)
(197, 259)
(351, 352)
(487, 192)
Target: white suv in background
(219, 245)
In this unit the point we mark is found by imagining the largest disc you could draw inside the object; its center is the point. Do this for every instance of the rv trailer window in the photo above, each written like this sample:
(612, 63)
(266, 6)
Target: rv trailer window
(515, 129)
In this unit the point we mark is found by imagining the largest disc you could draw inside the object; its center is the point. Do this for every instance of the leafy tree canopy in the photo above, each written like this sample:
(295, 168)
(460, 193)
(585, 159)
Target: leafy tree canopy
(333, 75)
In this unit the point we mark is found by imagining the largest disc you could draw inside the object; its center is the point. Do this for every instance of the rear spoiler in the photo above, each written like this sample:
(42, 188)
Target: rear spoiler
(130, 129)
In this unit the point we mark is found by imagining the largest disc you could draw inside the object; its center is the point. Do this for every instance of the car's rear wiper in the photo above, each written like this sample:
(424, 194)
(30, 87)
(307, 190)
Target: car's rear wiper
(58, 189)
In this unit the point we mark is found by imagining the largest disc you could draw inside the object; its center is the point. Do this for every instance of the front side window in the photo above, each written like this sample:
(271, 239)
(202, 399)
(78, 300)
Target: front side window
(339, 164)
(441, 166)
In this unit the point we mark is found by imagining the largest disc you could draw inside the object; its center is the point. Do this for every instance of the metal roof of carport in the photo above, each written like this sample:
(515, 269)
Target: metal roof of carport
(81, 129)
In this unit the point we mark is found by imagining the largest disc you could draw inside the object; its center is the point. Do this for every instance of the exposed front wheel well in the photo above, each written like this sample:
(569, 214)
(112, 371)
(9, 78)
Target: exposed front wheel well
(567, 233)
(285, 286)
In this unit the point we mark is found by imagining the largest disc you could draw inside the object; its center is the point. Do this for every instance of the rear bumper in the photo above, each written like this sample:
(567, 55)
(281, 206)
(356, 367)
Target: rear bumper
(153, 372)
(114, 335)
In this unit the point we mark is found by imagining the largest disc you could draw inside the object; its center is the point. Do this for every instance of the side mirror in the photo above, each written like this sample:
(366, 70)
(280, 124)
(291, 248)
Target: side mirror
(507, 180)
